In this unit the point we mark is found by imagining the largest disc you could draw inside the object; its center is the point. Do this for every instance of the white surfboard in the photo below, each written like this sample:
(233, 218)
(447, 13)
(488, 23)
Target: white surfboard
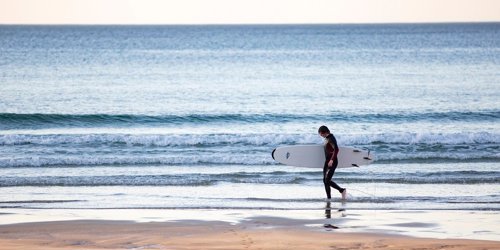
(313, 156)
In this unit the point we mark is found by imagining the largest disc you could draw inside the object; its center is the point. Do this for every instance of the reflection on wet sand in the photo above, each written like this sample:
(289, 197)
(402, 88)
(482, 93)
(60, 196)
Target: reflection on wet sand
(328, 215)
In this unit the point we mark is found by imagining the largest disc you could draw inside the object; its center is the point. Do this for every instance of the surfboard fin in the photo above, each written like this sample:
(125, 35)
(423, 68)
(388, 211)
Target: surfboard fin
(368, 156)
(356, 151)
(355, 165)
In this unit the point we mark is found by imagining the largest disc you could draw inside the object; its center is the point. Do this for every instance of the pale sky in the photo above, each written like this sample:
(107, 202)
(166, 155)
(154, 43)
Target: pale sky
(245, 11)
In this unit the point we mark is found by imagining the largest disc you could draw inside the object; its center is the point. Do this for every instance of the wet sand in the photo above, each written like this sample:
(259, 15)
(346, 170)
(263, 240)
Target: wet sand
(206, 235)
(241, 229)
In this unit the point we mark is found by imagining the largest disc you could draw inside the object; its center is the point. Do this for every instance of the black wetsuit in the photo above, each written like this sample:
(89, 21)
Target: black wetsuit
(331, 152)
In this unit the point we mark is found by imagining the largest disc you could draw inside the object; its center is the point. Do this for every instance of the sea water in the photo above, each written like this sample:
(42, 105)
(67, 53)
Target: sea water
(187, 116)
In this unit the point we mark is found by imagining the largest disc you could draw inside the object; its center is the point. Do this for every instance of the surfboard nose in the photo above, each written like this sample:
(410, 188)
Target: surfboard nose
(272, 154)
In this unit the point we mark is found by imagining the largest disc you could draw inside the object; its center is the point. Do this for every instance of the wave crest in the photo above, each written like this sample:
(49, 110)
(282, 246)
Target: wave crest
(29, 121)
(248, 139)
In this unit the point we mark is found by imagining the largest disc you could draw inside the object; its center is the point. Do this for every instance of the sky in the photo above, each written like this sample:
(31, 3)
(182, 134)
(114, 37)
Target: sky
(246, 11)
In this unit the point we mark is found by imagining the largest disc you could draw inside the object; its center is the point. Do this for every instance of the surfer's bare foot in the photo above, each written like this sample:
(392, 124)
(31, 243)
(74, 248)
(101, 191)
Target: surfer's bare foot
(344, 194)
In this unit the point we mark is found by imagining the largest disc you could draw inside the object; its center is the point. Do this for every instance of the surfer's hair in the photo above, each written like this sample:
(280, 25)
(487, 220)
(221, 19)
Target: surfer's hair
(323, 129)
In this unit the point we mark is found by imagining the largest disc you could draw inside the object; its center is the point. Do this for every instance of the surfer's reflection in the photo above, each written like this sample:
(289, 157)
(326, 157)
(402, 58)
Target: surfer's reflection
(328, 215)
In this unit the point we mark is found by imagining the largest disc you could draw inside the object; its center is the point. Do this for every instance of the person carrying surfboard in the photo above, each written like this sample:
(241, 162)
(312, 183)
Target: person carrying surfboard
(331, 162)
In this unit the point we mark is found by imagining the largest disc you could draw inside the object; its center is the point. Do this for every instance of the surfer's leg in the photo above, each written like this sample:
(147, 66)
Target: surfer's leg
(341, 190)
(326, 180)
(334, 185)
(331, 183)
(330, 176)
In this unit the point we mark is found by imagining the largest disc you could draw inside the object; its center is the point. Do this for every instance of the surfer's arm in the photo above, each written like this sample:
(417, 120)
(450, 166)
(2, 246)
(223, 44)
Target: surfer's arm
(333, 142)
(335, 152)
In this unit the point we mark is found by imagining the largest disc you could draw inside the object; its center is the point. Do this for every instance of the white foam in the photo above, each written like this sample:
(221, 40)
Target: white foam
(243, 149)
(249, 139)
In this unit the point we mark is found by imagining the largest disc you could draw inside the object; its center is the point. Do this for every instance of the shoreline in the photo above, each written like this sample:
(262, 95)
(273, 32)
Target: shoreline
(247, 229)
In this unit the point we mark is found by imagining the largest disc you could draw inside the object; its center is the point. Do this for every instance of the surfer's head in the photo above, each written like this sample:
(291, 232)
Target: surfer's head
(323, 131)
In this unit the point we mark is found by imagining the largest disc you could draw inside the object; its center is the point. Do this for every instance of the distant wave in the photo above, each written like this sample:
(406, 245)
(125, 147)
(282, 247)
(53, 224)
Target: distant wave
(10, 121)
(160, 140)
(165, 140)
(211, 158)
(278, 177)
(94, 160)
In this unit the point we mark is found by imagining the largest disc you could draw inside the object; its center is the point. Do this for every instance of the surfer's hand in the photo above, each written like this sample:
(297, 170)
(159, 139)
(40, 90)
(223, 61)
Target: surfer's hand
(330, 163)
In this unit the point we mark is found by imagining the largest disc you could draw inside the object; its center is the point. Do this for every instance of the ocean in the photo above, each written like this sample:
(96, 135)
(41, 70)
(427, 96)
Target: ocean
(186, 117)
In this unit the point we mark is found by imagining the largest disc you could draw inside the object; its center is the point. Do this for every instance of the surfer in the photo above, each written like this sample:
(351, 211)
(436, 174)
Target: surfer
(331, 162)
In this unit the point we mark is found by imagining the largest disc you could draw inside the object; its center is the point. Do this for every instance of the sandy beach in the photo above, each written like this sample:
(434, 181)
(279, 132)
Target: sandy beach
(206, 235)
(231, 229)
